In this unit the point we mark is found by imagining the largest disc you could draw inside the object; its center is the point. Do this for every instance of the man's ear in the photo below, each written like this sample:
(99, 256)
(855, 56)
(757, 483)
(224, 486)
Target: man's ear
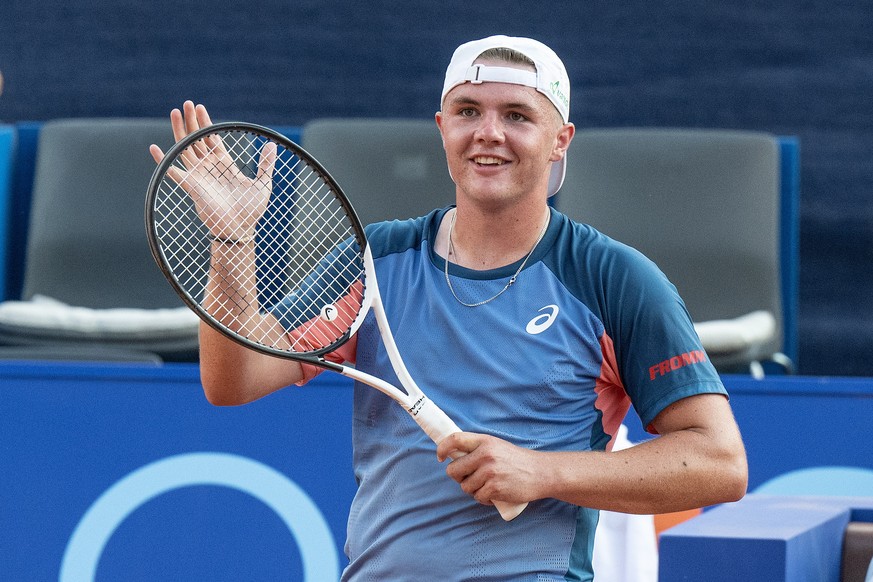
(562, 141)
(438, 117)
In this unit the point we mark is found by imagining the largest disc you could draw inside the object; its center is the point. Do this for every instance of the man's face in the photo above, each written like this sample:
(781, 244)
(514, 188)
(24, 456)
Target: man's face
(500, 140)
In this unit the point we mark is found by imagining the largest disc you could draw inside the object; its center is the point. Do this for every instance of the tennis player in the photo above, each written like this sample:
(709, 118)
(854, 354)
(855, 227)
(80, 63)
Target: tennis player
(534, 333)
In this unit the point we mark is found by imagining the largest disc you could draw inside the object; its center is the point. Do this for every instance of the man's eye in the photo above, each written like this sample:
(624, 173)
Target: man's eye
(467, 112)
(517, 117)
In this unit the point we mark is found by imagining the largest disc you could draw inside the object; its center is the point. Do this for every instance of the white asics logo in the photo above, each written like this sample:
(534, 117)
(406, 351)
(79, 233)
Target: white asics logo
(542, 322)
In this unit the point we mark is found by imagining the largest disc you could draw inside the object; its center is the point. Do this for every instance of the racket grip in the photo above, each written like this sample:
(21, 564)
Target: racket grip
(437, 425)
(509, 511)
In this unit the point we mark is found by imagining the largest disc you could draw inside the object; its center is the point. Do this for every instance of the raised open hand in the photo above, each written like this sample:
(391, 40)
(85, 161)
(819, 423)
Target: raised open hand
(229, 202)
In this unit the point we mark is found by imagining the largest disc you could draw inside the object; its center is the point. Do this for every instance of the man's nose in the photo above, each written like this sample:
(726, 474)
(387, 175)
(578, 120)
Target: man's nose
(490, 128)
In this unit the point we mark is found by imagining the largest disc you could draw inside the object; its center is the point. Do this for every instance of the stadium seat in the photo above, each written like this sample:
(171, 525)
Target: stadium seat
(390, 168)
(91, 289)
(857, 559)
(7, 154)
(705, 206)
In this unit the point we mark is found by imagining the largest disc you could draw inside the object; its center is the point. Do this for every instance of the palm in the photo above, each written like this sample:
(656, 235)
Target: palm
(229, 202)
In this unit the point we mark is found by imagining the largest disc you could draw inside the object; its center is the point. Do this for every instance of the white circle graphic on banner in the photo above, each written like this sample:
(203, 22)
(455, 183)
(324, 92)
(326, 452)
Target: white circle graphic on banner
(307, 524)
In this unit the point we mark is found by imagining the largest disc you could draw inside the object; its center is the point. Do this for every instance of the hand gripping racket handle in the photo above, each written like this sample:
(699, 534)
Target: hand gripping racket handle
(430, 417)
(437, 425)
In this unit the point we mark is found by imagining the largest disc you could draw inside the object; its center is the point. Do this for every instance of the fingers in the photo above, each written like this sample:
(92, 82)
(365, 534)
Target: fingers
(189, 119)
(184, 121)
(213, 141)
(189, 111)
(177, 121)
(486, 467)
(457, 445)
(267, 163)
(196, 118)
(473, 476)
(157, 153)
(179, 124)
(202, 116)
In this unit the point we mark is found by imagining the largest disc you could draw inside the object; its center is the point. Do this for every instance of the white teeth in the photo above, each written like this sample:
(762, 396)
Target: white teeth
(487, 160)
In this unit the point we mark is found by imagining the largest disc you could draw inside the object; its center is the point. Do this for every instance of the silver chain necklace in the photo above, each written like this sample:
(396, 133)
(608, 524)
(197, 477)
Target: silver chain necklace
(451, 251)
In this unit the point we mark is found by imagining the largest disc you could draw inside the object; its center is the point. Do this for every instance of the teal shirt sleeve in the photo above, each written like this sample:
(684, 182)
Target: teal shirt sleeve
(659, 356)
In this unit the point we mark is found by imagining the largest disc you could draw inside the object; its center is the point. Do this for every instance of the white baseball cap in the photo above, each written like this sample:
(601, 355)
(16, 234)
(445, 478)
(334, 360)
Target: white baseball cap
(550, 79)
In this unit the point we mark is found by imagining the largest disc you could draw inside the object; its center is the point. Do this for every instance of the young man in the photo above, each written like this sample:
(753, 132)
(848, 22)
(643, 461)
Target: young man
(534, 333)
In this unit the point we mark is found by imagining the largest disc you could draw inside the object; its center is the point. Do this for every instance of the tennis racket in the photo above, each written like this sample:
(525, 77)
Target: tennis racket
(295, 276)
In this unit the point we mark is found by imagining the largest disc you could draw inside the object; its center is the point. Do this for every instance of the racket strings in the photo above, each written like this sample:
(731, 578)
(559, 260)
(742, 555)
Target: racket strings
(262, 243)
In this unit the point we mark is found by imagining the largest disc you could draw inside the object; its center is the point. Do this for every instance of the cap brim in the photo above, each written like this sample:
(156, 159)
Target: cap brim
(556, 176)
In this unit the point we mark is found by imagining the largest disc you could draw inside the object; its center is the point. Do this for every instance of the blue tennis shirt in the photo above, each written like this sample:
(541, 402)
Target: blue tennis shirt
(589, 328)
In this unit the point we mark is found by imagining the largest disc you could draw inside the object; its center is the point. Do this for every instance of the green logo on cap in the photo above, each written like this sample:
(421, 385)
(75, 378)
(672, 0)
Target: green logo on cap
(555, 88)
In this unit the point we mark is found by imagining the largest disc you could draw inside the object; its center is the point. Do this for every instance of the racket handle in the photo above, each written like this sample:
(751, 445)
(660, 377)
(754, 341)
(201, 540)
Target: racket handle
(437, 425)
(509, 511)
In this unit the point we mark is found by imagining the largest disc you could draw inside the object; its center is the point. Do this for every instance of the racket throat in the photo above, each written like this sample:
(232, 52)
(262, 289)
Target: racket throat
(327, 364)
(417, 406)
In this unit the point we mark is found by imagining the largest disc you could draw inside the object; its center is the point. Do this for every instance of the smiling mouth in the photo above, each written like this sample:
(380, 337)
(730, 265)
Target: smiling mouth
(488, 161)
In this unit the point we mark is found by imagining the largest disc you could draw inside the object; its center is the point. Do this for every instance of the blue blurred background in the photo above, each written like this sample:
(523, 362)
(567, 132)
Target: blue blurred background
(800, 67)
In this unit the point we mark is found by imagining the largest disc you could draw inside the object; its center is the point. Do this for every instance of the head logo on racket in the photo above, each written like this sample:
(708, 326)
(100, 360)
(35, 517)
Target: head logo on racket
(329, 312)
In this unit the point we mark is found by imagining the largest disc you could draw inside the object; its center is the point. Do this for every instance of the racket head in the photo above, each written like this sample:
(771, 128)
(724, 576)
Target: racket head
(308, 276)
